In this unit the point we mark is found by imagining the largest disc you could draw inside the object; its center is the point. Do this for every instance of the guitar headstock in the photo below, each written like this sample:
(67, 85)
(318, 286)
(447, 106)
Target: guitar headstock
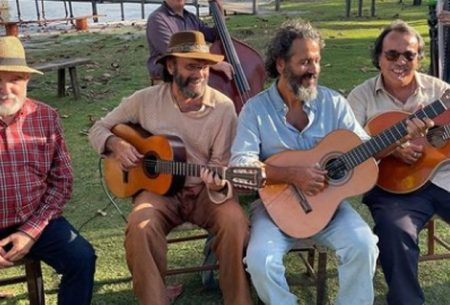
(445, 98)
(250, 178)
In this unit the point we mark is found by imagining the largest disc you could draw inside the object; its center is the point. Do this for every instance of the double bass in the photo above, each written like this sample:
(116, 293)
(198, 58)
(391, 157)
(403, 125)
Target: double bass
(248, 65)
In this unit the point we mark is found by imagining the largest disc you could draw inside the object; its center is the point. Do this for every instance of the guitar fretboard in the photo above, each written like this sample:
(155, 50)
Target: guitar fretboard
(386, 138)
(180, 168)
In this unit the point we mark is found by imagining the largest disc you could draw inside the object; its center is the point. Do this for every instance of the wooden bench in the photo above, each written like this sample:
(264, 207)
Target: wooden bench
(61, 65)
(33, 278)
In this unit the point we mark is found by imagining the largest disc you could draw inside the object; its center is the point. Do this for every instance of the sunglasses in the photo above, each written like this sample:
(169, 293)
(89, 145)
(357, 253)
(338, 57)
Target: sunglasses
(393, 55)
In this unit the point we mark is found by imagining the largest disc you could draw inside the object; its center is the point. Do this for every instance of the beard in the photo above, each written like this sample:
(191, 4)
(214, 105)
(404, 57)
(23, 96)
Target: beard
(183, 84)
(7, 110)
(296, 83)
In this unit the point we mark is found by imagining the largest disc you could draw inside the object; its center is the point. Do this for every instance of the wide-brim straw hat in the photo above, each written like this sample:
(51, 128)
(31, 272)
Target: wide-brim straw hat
(189, 44)
(12, 56)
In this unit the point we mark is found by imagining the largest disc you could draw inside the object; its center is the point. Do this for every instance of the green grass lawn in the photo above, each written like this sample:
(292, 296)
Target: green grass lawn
(119, 54)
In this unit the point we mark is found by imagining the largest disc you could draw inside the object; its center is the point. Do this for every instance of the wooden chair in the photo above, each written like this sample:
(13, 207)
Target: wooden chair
(314, 257)
(431, 240)
(33, 278)
(190, 237)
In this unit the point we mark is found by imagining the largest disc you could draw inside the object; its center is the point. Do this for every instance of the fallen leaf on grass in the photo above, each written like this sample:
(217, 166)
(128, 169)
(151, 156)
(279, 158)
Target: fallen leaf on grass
(101, 213)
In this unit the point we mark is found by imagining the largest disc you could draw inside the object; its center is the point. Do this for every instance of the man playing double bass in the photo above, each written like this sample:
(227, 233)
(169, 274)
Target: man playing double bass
(205, 120)
(171, 17)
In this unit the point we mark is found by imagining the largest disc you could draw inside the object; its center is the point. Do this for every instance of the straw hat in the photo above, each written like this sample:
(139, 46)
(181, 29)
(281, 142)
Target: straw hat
(12, 56)
(190, 44)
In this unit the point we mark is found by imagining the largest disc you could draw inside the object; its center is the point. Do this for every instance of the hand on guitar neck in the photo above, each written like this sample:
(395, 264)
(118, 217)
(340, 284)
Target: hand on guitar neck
(212, 180)
(416, 128)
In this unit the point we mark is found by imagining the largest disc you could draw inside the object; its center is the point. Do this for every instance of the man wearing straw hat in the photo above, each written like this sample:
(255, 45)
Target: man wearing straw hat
(205, 120)
(36, 182)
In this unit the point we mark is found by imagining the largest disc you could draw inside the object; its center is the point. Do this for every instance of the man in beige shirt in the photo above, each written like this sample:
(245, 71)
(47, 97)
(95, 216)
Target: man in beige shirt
(399, 218)
(205, 120)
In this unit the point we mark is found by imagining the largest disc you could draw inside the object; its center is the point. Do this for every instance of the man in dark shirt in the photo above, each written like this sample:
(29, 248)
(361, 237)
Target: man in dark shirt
(171, 17)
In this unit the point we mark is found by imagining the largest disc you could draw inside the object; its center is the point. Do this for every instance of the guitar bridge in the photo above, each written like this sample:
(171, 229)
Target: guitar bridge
(302, 200)
(125, 176)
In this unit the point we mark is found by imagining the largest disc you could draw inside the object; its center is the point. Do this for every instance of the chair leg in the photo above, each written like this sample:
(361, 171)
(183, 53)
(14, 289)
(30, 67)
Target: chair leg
(430, 236)
(321, 281)
(35, 282)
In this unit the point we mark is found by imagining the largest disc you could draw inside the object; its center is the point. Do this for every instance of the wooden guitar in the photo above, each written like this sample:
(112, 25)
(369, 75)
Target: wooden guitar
(352, 170)
(163, 168)
(396, 176)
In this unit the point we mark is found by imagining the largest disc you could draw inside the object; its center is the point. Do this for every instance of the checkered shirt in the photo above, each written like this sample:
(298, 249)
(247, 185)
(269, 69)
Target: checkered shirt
(35, 171)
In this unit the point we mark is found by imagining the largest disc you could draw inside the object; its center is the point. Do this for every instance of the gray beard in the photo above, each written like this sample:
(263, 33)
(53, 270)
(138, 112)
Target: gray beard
(305, 94)
(10, 110)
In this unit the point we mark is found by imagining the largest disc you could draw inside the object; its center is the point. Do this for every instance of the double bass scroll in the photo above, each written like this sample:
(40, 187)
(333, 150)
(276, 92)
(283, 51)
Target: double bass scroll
(248, 65)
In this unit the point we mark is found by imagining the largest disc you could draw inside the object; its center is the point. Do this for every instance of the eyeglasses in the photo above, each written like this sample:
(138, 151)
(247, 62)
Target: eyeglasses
(393, 55)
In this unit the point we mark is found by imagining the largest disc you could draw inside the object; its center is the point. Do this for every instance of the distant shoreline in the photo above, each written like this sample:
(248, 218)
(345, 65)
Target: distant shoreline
(55, 10)
(110, 13)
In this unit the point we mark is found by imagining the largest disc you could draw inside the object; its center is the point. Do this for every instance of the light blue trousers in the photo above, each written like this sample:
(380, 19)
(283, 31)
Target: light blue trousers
(347, 234)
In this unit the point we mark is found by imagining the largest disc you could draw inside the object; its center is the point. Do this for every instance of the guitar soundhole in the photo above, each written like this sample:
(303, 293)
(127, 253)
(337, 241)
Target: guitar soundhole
(336, 170)
(437, 137)
(150, 162)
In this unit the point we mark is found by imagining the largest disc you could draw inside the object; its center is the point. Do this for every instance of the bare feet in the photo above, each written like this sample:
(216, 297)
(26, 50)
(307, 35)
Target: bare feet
(174, 291)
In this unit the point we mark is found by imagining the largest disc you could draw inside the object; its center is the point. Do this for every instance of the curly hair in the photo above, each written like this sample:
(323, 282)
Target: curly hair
(396, 26)
(280, 45)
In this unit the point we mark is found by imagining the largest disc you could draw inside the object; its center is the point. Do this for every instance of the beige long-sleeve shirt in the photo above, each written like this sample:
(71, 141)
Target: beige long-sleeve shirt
(371, 98)
(207, 133)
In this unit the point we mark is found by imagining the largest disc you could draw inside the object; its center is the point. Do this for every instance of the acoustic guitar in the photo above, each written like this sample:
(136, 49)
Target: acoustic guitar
(396, 176)
(351, 170)
(163, 168)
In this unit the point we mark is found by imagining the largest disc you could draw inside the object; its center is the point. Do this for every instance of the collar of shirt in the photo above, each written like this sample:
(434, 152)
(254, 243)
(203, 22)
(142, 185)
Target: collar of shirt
(379, 86)
(282, 109)
(279, 103)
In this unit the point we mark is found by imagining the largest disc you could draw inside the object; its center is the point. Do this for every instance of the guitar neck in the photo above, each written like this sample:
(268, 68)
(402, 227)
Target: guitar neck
(388, 137)
(181, 168)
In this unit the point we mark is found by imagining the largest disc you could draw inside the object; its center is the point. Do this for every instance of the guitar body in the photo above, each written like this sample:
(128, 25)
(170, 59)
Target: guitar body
(398, 177)
(282, 200)
(125, 184)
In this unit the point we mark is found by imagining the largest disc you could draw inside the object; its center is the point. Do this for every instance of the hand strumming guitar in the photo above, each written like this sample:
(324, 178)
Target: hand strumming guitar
(408, 152)
(310, 180)
(122, 151)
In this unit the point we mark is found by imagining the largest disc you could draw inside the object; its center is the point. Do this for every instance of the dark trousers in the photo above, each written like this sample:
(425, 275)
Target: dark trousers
(398, 221)
(65, 250)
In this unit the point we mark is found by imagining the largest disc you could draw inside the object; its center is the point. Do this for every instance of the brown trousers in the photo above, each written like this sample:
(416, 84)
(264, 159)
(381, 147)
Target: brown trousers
(154, 216)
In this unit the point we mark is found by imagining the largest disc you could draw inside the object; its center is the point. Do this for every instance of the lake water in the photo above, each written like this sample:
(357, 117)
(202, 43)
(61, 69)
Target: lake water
(54, 10)
(109, 13)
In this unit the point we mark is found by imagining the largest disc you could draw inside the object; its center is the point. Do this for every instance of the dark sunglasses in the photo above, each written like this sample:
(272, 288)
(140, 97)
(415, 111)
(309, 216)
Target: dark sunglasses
(393, 55)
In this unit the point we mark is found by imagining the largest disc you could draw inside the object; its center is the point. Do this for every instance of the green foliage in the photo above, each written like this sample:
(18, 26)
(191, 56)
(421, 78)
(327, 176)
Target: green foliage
(119, 56)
